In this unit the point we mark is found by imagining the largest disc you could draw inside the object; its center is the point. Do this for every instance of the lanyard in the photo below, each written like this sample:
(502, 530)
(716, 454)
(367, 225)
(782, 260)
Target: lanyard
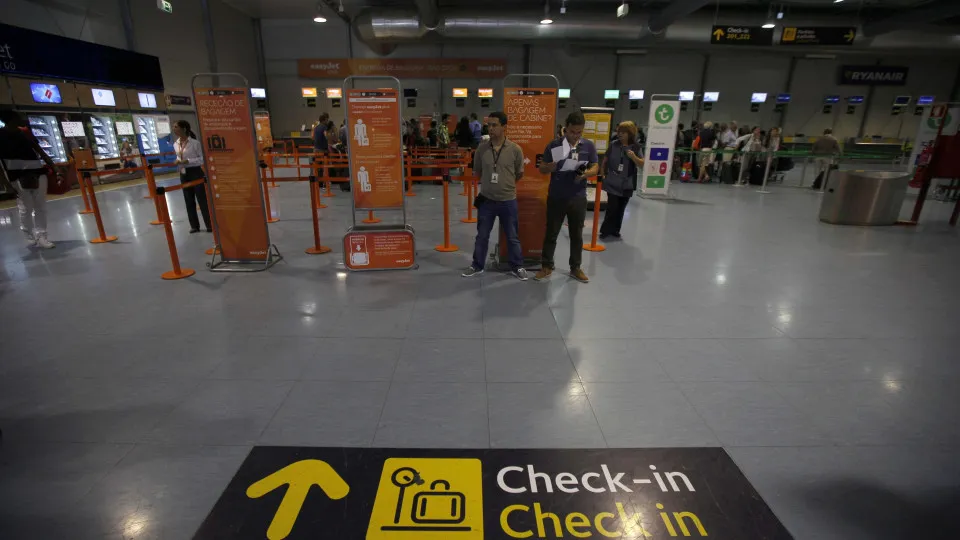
(496, 155)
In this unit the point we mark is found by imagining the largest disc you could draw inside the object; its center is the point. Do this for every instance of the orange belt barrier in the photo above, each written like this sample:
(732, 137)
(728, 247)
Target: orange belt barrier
(317, 247)
(471, 183)
(103, 238)
(447, 247)
(371, 218)
(161, 202)
(266, 200)
(594, 246)
(83, 193)
(152, 188)
(315, 184)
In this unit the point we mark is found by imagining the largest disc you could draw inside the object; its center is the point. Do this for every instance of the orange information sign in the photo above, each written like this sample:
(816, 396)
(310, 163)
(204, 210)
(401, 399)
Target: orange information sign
(227, 135)
(376, 155)
(531, 117)
(379, 250)
(403, 68)
(264, 134)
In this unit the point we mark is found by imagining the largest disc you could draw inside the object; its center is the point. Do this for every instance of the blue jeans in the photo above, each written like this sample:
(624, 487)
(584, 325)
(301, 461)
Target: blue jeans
(507, 212)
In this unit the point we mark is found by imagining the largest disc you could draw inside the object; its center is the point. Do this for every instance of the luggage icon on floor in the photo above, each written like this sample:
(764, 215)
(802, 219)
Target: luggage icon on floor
(420, 498)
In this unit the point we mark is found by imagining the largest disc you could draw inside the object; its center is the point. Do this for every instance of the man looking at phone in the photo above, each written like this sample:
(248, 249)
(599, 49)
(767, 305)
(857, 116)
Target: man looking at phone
(498, 163)
(570, 160)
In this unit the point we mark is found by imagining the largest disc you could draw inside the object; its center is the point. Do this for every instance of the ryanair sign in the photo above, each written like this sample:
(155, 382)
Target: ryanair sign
(873, 75)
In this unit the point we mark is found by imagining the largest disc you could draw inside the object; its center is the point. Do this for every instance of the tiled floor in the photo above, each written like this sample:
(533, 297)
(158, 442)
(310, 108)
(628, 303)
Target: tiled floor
(826, 360)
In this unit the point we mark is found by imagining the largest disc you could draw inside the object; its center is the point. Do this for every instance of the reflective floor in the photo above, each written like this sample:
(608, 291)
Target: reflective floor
(824, 359)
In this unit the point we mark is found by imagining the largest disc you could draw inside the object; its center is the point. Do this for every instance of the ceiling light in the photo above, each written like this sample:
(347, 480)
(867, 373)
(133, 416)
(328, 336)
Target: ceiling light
(768, 25)
(546, 14)
(319, 19)
(546, 20)
(837, 1)
(779, 15)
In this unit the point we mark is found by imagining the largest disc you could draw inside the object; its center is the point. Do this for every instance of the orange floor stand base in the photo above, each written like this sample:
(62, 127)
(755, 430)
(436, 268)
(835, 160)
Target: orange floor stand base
(82, 212)
(321, 205)
(103, 240)
(272, 220)
(212, 251)
(156, 222)
(371, 220)
(317, 250)
(598, 247)
(184, 273)
(468, 220)
(447, 249)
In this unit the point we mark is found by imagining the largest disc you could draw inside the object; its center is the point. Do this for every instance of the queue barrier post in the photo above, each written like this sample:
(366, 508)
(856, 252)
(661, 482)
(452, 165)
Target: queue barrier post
(471, 183)
(103, 238)
(594, 246)
(371, 218)
(83, 192)
(446, 247)
(152, 188)
(314, 183)
(326, 174)
(410, 192)
(177, 272)
(266, 197)
(317, 248)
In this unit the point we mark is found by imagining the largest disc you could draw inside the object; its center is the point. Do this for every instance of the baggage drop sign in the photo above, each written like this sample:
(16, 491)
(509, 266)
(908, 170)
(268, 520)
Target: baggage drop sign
(435, 494)
(661, 143)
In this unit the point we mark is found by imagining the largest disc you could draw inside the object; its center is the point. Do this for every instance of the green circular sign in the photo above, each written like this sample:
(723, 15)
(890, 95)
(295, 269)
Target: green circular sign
(663, 114)
(934, 123)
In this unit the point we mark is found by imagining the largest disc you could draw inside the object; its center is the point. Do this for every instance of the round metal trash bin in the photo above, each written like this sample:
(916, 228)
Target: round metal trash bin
(863, 197)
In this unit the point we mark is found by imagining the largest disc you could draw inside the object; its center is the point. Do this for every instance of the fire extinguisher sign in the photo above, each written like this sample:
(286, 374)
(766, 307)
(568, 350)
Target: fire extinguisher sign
(440, 494)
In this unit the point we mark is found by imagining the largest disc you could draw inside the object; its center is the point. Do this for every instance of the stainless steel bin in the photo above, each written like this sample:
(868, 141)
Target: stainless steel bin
(863, 197)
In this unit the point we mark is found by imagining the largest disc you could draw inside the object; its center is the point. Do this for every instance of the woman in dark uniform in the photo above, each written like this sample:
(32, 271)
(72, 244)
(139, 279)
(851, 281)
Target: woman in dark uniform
(190, 164)
(619, 169)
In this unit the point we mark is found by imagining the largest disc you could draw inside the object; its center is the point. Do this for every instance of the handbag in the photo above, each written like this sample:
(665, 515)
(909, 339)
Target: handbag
(479, 200)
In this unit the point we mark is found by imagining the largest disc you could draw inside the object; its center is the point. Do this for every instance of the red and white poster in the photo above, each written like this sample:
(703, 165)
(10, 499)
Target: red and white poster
(376, 155)
(379, 250)
(227, 135)
(531, 120)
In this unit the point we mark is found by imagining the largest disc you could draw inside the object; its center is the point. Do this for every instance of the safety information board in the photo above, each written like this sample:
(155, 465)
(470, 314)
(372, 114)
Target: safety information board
(418, 494)
(393, 249)
(376, 154)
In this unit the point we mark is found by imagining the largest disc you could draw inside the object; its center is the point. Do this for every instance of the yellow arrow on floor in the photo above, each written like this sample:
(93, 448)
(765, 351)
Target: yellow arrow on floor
(299, 477)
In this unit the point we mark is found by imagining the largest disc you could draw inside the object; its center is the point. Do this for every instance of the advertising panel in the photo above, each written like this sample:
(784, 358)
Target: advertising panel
(661, 140)
(226, 133)
(376, 155)
(597, 129)
(531, 120)
(261, 123)
(379, 250)
(402, 68)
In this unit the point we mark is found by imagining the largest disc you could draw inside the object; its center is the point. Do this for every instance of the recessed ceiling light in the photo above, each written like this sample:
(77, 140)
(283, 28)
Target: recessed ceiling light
(768, 25)
(546, 21)
(837, 1)
(319, 19)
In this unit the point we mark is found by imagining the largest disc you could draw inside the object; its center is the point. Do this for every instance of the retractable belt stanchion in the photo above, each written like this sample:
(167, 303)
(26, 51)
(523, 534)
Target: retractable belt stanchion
(177, 272)
(410, 192)
(315, 184)
(317, 247)
(326, 174)
(371, 218)
(103, 238)
(446, 247)
(83, 192)
(152, 188)
(594, 246)
(471, 195)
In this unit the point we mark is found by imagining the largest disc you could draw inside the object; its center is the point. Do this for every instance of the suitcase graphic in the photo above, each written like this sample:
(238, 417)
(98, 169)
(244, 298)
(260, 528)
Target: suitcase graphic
(439, 507)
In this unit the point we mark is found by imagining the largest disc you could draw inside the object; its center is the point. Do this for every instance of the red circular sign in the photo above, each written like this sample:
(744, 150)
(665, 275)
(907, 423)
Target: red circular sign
(663, 168)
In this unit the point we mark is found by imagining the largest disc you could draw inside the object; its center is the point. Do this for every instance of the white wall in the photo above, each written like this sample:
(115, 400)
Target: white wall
(176, 38)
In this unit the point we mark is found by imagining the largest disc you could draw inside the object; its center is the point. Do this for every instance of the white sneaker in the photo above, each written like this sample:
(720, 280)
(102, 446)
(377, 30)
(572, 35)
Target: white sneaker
(43, 242)
(521, 274)
(30, 239)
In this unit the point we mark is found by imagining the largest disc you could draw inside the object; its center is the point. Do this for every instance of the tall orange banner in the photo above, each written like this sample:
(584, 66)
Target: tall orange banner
(227, 134)
(376, 154)
(531, 117)
(264, 134)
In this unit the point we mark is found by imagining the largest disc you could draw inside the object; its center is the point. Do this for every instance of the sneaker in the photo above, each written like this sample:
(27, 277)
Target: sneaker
(521, 274)
(543, 274)
(43, 242)
(471, 271)
(28, 236)
(578, 275)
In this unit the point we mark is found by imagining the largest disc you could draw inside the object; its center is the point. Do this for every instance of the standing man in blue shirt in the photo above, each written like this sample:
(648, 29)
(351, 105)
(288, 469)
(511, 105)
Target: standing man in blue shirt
(570, 160)
(475, 129)
(320, 134)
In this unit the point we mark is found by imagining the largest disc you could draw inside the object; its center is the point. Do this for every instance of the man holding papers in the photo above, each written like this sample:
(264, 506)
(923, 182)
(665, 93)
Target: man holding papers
(569, 160)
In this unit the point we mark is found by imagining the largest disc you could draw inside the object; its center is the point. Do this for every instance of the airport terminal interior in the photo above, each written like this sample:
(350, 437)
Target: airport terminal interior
(757, 339)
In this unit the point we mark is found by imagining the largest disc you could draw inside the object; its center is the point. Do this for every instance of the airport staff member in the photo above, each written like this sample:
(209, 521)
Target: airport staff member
(825, 148)
(620, 165)
(570, 160)
(26, 166)
(498, 162)
(190, 164)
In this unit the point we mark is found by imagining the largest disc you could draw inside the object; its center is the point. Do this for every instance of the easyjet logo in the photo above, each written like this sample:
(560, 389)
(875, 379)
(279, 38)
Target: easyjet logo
(329, 66)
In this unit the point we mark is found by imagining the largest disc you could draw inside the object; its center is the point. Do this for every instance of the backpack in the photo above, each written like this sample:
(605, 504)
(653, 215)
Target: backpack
(696, 143)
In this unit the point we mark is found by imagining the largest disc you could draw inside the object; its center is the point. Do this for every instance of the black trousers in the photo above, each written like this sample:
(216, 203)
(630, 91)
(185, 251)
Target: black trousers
(575, 211)
(613, 217)
(193, 196)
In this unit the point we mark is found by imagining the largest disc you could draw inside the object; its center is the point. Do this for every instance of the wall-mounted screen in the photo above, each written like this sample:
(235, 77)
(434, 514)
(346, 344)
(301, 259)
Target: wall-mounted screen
(73, 129)
(783, 98)
(611, 94)
(758, 97)
(854, 100)
(103, 97)
(901, 100)
(831, 99)
(635, 94)
(710, 97)
(147, 100)
(485, 92)
(686, 95)
(563, 93)
(334, 93)
(308, 92)
(410, 92)
(925, 100)
(45, 93)
(260, 93)
(460, 92)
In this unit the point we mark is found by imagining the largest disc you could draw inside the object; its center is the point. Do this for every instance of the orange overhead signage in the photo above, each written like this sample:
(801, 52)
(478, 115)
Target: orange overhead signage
(261, 124)
(227, 134)
(415, 68)
(379, 250)
(308, 92)
(460, 92)
(376, 154)
(485, 92)
(334, 93)
(531, 117)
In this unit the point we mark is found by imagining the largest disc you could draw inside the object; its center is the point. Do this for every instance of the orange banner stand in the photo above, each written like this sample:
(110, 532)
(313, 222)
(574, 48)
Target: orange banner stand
(238, 201)
(532, 114)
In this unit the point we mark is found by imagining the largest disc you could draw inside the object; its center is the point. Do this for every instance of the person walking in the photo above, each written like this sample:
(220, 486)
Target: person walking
(752, 147)
(28, 169)
(619, 171)
(190, 163)
(443, 131)
(708, 143)
(825, 148)
(498, 163)
(463, 134)
(570, 160)
(476, 129)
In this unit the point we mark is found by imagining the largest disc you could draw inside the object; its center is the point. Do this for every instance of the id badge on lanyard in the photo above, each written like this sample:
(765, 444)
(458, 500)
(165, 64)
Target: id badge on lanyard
(183, 168)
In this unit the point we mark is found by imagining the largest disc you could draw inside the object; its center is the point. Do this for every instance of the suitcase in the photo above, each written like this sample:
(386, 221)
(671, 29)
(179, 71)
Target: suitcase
(730, 172)
(439, 506)
(756, 174)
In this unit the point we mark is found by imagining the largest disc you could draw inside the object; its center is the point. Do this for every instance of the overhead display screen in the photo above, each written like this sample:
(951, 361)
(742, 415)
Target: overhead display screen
(147, 100)
(611, 94)
(901, 100)
(635, 94)
(831, 99)
(334, 93)
(758, 97)
(686, 95)
(710, 97)
(308, 92)
(925, 100)
(459, 92)
(855, 100)
(485, 92)
(783, 98)
(260, 93)
(103, 97)
(563, 93)
(45, 93)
